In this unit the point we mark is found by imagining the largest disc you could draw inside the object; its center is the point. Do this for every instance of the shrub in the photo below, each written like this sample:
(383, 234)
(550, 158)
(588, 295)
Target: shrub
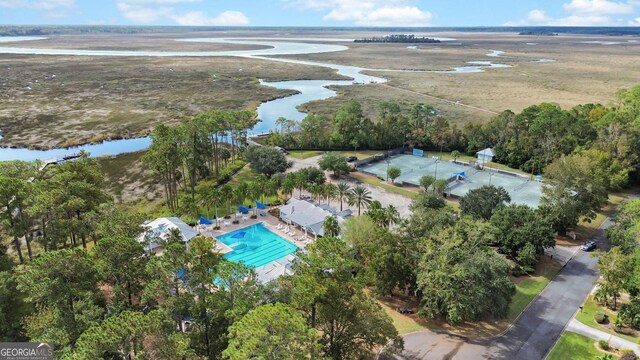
(604, 345)
(600, 316)
(630, 313)
(517, 270)
(628, 354)
(236, 222)
(254, 216)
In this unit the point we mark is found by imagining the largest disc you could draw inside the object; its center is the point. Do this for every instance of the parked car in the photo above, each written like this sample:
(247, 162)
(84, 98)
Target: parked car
(588, 246)
(282, 150)
(352, 158)
(402, 310)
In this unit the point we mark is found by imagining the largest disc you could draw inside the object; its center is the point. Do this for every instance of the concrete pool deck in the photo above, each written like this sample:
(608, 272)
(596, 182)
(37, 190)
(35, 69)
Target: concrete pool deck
(270, 223)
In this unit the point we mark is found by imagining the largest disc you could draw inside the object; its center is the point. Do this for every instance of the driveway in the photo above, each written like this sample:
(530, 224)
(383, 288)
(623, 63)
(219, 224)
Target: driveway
(537, 329)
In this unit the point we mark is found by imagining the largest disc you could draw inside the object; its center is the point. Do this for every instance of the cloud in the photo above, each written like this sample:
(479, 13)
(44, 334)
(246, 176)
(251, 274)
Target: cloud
(583, 13)
(199, 18)
(366, 12)
(156, 11)
(47, 9)
(40, 5)
(598, 7)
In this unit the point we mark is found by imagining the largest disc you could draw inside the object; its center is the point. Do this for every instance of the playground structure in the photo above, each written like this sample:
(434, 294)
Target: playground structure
(460, 176)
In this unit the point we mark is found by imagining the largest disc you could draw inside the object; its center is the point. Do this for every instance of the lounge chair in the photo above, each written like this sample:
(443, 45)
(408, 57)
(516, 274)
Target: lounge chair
(278, 227)
(226, 223)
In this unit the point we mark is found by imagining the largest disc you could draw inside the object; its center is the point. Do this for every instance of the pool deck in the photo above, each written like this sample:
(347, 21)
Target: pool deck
(269, 221)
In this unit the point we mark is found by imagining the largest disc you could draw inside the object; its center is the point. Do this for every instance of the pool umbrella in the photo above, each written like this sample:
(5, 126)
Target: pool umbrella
(260, 205)
(243, 209)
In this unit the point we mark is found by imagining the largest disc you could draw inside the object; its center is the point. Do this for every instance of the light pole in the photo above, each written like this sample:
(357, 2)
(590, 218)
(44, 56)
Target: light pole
(388, 162)
(435, 175)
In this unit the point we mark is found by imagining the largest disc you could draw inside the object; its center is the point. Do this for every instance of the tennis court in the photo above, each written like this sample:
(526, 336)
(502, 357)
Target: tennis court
(462, 177)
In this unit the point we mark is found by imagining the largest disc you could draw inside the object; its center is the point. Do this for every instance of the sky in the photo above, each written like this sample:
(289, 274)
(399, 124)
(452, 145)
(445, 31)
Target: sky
(323, 12)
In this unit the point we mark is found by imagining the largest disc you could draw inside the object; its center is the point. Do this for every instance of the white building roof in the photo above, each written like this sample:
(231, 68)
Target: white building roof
(275, 269)
(158, 230)
(309, 215)
(486, 152)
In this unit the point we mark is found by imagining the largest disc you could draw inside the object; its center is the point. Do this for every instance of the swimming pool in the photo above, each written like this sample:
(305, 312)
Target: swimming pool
(256, 245)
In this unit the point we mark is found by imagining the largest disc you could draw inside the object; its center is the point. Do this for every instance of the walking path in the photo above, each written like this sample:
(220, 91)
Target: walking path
(595, 334)
(457, 103)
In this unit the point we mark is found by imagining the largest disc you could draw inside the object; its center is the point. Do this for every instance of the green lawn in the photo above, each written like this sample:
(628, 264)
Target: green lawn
(584, 230)
(403, 323)
(361, 155)
(528, 289)
(393, 188)
(585, 316)
(304, 154)
(574, 346)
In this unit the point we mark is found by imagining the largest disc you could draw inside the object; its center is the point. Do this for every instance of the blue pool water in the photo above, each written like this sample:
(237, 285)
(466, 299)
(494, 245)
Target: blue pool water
(255, 245)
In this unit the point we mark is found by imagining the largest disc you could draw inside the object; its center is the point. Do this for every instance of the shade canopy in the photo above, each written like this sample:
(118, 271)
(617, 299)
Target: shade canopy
(204, 221)
(261, 205)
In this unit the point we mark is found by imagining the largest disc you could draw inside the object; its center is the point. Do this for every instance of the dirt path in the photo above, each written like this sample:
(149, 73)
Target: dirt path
(457, 103)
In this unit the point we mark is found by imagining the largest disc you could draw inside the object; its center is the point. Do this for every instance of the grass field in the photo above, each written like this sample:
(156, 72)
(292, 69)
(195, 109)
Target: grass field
(304, 154)
(515, 88)
(528, 288)
(584, 230)
(585, 316)
(92, 98)
(377, 182)
(574, 346)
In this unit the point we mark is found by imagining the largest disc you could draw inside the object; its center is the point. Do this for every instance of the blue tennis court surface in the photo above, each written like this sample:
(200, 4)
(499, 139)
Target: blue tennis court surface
(255, 246)
(522, 189)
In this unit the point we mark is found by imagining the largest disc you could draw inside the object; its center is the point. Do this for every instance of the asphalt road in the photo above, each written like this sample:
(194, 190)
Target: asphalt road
(534, 333)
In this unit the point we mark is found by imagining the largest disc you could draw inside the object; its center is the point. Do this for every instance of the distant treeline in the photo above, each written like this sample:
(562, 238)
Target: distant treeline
(402, 38)
(539, 33)
(33, 30)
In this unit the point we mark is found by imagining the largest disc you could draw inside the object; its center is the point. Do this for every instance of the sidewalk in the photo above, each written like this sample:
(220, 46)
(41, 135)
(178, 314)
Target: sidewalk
(614, 341)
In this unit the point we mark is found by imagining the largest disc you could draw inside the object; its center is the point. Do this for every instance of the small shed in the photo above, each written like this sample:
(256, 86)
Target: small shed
(485, 155)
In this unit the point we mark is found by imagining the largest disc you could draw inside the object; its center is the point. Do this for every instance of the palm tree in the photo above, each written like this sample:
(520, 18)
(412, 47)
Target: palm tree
(392, 215)
(301, 182)
(288, 184)
(329, 192)
(226, 193)
(241, 193)
(211, 198)
(261, 182)
(359, 196)
(331, 226)
(315, 190)
(254, 192)
(342, 190)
